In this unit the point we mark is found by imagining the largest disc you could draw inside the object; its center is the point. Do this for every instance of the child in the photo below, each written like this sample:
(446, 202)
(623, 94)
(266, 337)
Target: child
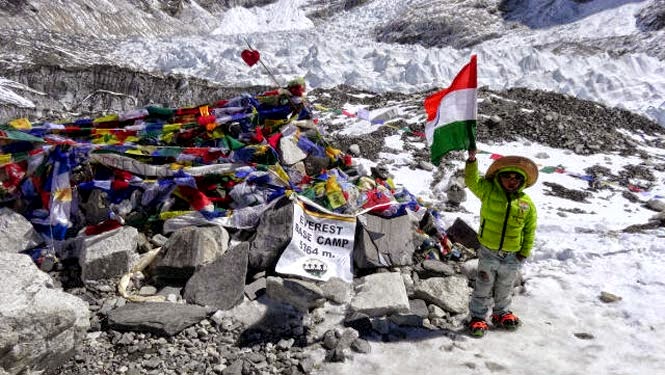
(506, 234)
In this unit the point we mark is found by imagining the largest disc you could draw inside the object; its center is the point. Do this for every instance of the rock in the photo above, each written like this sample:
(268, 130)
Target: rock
(384, 242)
(456, 194)
(361, 346)
(436, 268)
(159, 318)
(336, 290)
(656, 205)
(302, 295)
(256, 288)
(108, 255)
(450, 293)
(380, 294)
(273, 234)
(40, 326)
(186, 249)
(16, 232)
(354, 150)
(228, 273)
(462, 233)
(609, 297)
(290, 152)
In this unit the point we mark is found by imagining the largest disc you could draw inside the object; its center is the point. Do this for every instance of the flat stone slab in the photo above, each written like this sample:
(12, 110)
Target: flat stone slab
(163, 319)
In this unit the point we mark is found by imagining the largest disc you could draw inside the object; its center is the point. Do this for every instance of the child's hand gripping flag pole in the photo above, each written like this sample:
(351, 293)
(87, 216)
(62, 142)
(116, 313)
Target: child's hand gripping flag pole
(452, 114)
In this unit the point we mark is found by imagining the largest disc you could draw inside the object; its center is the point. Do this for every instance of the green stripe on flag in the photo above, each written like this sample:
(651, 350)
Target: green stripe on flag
(453, 136)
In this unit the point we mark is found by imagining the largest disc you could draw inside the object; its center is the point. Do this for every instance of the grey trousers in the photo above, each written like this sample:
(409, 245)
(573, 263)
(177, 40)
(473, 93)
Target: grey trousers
(494, 283)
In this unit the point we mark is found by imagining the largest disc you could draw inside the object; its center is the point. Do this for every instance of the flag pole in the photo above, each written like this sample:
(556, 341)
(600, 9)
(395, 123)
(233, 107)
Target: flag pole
(472, 139)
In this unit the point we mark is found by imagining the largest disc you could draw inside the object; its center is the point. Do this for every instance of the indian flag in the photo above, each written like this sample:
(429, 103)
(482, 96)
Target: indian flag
(452, 113)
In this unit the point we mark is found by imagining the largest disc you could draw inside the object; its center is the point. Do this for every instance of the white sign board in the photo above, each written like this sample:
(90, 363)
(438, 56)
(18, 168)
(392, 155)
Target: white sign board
(321, 246)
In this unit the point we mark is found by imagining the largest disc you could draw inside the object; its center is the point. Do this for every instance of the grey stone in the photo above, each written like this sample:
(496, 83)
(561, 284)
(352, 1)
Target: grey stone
(359, 321)
(302, 295)
(407, 320)
(329, 340)
(656, 204)
(170, 290)
(220, 284)
(109, 254)
(290, 152)
(455, 193)
(380, 294)
(159, 240)
(436, 268)
(347, 336)
(159, 318)
(147, 290)
(16, 232)
(273, 234)
(40, 326)
(608, 297)
(354, 150)
(234, 368)
(96, 207)
(315, 164)
(450, 293)
(255, 288)
(186, 249)
(418, 307)
(361, 346)
(336, 290)
(384, 242)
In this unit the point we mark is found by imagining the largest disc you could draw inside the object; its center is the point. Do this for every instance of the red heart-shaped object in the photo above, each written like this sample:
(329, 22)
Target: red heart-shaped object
(250, 56)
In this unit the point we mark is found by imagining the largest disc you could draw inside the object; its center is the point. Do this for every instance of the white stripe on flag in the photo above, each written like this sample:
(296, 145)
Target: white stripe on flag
(459, 105)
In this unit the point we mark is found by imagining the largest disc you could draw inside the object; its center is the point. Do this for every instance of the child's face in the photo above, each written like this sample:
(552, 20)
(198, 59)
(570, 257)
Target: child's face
(511, 181)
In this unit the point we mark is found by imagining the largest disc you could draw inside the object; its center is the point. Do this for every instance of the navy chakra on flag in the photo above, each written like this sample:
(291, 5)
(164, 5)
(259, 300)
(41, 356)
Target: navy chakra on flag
(315, 267)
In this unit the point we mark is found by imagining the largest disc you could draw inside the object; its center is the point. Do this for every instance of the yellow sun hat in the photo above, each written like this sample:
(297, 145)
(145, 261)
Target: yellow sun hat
(526, 165)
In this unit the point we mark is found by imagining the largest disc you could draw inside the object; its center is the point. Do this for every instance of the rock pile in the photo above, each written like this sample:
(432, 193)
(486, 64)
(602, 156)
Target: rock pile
(206, 300)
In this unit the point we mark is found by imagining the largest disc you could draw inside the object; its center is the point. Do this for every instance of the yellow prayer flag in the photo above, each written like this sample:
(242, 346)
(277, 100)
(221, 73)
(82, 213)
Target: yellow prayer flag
(20, 123)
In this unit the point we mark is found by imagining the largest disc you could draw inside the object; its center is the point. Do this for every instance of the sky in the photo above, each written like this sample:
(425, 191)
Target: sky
(576, 256)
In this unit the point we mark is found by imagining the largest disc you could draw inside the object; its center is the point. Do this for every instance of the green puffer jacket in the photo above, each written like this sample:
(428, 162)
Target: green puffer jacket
(507, 222)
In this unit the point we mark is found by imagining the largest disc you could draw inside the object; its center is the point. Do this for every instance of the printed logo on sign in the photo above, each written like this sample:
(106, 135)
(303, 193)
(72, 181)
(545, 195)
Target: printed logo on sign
(315, 267)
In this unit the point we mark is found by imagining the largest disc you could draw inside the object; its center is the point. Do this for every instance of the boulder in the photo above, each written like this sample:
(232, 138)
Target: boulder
(187, 249)
(382, 242)
(380, 294)
(220, 284)
(450, 293)
(108, 255)
(303, 295)
(273, 234)
(159, 318)
(16, 232)
(40, 326)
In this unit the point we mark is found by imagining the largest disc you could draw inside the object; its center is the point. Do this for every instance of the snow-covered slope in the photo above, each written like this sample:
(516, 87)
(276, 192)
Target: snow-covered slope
(604, 50)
